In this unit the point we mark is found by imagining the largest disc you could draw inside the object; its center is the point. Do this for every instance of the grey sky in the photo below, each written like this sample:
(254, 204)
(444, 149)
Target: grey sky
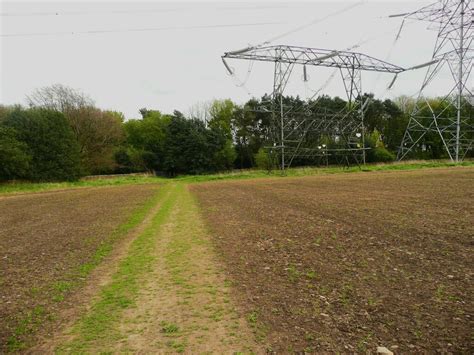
(173, 61)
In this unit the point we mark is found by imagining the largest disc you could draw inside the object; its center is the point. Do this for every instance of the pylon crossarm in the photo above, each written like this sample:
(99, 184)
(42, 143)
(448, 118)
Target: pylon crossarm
(314, 56)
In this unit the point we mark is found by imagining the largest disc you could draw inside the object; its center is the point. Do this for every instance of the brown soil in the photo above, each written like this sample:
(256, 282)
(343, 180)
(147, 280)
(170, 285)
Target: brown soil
(49, 339)
(44, 240)
(351, 262)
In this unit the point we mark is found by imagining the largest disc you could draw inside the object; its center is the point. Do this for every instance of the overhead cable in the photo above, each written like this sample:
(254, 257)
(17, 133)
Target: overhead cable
(151, 29)
(312, 23)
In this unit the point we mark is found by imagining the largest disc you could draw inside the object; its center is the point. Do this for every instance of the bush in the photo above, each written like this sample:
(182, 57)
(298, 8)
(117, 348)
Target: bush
(264, 160)
(380, 154)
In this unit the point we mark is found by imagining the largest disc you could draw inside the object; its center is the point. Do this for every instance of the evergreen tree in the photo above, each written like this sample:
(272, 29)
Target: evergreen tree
(14, 158)
(50, 143)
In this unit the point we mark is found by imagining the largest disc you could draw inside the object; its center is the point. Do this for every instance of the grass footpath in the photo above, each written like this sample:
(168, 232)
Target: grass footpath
(25, 187)
(169, 293)
(121, 292)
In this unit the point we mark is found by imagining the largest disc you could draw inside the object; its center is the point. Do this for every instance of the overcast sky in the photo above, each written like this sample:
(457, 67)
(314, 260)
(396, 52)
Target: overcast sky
(166, 55)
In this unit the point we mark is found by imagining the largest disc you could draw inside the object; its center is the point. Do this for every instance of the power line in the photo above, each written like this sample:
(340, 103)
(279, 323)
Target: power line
(139, 11)
(151, 29)
(83, 12)
(313, 22)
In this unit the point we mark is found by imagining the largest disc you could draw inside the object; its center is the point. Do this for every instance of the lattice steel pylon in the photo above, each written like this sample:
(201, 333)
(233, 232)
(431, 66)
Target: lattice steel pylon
(291, 127)
(450, 120)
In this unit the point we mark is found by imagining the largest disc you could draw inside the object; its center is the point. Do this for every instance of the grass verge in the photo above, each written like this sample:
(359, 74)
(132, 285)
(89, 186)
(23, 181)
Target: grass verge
(25, 187)
(308, 171)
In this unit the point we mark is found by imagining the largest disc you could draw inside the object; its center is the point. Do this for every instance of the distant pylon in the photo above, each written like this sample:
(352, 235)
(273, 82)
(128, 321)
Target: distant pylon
(451, 119)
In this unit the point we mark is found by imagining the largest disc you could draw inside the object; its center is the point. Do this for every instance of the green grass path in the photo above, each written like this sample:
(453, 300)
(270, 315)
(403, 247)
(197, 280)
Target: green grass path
(121, 292)
(168, 294)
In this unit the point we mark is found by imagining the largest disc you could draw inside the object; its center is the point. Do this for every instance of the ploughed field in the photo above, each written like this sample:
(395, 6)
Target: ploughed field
(350, 262)
(49, 242)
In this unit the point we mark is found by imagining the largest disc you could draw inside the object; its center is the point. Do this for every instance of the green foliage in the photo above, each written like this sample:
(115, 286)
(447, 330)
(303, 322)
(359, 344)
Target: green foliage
(5, 111)
(252, 318)
(169, 328)
(189, 146)
(380, 154)
(225, 156)
(129, 160)
(36, 144)
(221, 112)
(146, 137)
(50, 143)
(264, 160)
(220, 123)
(250, 129)
(98, 134)
(14, 158)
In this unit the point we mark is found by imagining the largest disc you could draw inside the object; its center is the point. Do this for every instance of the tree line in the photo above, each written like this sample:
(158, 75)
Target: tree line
(62, 135)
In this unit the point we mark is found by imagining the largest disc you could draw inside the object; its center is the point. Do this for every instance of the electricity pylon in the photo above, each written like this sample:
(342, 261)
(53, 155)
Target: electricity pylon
(451, 119)
(291, 127)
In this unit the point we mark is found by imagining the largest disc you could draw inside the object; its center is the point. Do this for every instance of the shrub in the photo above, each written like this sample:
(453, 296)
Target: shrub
(380, 154)
(264, 159)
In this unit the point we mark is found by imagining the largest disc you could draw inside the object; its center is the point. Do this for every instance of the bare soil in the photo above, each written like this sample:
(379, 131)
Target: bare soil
(50, 339)
(351, 262)
(45, 238)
